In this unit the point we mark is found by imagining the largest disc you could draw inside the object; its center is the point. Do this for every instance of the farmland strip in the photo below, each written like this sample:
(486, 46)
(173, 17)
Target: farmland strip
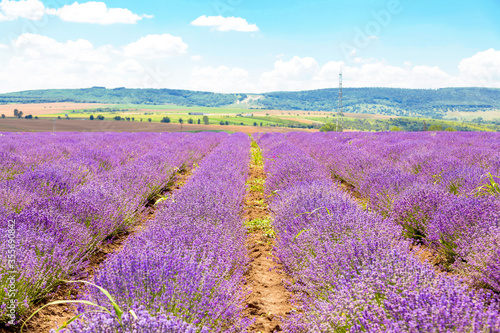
(268, 300)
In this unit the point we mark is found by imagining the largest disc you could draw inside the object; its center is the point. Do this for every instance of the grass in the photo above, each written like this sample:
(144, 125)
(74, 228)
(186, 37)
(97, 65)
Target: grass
(263, 225)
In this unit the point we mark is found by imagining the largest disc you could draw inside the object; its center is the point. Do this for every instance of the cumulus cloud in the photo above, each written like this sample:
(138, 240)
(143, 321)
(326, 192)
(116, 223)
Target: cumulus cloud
(89, 12)
(28, 9)
(155, 47)
(96, 13)
(482, 69)
(306, 73)
(221, 23)
(220, 79)
(48, 63)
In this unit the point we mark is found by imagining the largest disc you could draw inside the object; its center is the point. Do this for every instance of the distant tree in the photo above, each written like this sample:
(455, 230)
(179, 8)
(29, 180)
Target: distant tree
(58, 117)
(205, 120)
(141, 119)
(118, 118)
(149, 119)
(20, 114)
(199, 121)
(91, 117)
(36, 117)
(165, 120)
(328, 127)
(450, 129)
(16, 113)
(255, 123)
(3, 116)
(28, 116)
(396, 129)
(190, 121)
(260, 124)
(100, 117)
(181, 121)
(241, 123)
(227, 122)
(435, 128)
(425, 126)
(221, 122)
(133, 119)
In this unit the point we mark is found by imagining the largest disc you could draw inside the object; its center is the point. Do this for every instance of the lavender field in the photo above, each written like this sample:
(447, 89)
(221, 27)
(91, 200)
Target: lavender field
(370, 232)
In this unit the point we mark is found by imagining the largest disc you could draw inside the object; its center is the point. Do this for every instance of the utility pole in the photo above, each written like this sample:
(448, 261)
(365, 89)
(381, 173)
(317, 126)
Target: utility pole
(340, 110)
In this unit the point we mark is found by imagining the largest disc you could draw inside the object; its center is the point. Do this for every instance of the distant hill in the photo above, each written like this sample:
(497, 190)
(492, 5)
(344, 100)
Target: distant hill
(433, 103)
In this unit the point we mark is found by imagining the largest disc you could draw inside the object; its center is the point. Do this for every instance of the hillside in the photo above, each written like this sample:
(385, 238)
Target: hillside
(434, 103)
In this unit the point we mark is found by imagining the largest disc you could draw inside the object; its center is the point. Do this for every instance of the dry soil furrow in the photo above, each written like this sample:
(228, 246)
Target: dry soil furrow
(268, 300)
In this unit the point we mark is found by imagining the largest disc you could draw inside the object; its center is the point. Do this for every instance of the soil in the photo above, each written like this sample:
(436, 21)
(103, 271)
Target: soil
(37, 109)
(268, 301)
(86, 125)
(54, 316)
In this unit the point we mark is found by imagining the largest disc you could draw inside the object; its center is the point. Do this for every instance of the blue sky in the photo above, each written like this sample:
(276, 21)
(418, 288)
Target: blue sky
(248, 46)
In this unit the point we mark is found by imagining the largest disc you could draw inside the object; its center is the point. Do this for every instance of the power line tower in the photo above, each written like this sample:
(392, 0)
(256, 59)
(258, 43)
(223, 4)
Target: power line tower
(340, 110)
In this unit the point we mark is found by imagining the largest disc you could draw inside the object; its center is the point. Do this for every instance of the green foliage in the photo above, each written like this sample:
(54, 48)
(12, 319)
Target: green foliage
(181, 121)
(490, 186)
(190, 121)
(396, 129)
(450, 129)
(115, 307)
(257, 184)
(205, 120)
(329, 127)
(433, 103)
(435, 128)
(261, 224)
(257, 158)
(91, 117)
(165, 120)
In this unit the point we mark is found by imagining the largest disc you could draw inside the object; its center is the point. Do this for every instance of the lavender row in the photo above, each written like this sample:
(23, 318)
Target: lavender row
(56, 235)
(433, 185)
(21, 152)
(351, 270)
(183, 272)
(76, 160)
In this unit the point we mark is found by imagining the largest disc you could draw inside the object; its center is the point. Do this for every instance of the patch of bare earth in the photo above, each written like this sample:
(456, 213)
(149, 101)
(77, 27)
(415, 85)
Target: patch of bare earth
(54, 316)
(268, 300)
(86, 125)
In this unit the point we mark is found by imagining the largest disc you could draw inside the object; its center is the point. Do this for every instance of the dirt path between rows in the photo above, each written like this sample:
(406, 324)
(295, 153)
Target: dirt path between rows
(268, 300)
(54, 316)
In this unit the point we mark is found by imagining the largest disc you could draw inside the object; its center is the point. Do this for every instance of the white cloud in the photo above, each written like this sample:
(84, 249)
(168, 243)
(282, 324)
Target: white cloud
(482, 69)
(88, 12)
(221, 23)
(39, 62)
(196, 57)
(220, 79)
(96, 13)
(305, 73)
(155, 47)
(290, 75)
(28, 9)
